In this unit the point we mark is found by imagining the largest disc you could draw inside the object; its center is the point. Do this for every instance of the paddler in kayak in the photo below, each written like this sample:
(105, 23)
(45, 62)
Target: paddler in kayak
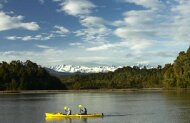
(67, 110)
(83, 110)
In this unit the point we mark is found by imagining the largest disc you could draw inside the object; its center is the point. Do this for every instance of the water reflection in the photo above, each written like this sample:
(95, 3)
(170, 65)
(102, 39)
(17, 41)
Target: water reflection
(66, 120)
(179, 102)
(84, 120)
(118, 107)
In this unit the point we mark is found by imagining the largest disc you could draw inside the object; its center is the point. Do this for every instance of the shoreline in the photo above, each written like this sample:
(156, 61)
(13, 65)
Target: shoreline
(90, 90)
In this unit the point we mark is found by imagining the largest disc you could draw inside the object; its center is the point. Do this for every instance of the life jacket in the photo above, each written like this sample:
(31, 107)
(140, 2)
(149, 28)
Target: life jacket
(69, 112)
(83, 110)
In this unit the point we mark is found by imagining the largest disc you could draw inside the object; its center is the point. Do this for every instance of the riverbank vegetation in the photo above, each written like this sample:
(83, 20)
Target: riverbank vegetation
(18, 75)
(175, 75)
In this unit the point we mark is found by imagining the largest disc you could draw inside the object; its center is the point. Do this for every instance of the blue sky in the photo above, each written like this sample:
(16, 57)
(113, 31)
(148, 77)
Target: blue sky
(94, 32)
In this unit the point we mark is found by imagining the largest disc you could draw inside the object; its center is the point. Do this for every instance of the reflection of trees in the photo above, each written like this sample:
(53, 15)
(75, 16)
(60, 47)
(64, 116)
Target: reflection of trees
(179, 105)
(84, 120)
(68, 120)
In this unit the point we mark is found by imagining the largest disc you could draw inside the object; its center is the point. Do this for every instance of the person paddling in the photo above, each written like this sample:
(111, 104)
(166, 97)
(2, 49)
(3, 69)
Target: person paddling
(67, 110)
(83, 110)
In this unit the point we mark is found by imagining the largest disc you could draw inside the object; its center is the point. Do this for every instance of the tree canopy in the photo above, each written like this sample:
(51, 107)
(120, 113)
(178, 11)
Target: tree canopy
(18, 75)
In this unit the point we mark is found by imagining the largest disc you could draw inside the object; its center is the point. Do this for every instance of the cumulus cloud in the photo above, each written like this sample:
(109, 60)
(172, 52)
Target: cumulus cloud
(159, 21)
(76, 7)
(7, 22)
(157, 29)
(180, 26)
(152, 31)
(140, 24)
(94, 29)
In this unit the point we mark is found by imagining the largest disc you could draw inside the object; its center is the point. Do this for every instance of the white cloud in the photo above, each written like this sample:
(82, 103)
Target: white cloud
(2, 2)
(7, 22)
(59, 31)
(165, 55)
(76, 7)
(153, 4)
(93, 35)
(157, 25)
(91, 59)
(43, 46)
(92, 21)
(51, 56)
(75, 44)
(159, 30)
(44, 57)
(101, 47)
(135, 45)
(138, 45)
(57, 0)
(94, 30)
(1, 6)
(119, 23)
(166, 23)
(180, 27)
(42, 1)
(29, 26)
(152, 34)
(29, 38)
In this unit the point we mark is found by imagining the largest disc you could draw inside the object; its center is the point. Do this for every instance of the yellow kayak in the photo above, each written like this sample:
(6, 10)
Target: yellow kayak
(61, 115)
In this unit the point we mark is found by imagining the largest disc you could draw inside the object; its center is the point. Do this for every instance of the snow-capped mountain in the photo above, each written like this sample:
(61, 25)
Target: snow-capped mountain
(141, 66)
(83, 69)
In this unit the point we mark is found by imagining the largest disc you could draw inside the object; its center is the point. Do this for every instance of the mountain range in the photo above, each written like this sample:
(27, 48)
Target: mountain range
(84, 69)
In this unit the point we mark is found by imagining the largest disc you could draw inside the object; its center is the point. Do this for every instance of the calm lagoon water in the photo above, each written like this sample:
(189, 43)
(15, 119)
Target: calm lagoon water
(118, 107)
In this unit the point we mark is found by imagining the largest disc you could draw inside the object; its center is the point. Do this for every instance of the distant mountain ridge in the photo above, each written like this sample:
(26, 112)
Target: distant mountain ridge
(84, 69)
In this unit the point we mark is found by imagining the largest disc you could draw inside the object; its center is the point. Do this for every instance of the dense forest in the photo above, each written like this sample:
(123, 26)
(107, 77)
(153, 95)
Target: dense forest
(127, 77)
(176, 75)
(18, 75)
